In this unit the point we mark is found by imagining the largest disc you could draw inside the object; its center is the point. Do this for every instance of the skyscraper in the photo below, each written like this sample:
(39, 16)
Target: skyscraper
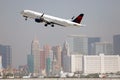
(48, 58)
(56, 58)
(35, 50)
(79, 44)
(116, 44)
(103, 47)
(65, 52)
(91, 42)
(42, 61)
(65, 49)
(46, 50)
(66, 65)
(6, 53)
(49, 64)
(30, 62)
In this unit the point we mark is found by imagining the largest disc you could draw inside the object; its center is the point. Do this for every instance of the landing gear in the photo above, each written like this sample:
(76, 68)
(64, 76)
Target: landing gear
(25, 17)
(52, 25)
(46, 25)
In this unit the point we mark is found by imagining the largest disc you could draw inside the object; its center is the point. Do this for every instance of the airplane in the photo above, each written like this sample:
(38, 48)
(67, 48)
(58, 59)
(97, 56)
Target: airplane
(51, 20)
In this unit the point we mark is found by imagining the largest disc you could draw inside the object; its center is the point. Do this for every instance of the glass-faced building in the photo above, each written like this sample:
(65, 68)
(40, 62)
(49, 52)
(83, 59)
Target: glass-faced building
(30, 63)
(91, 44)
(78, 44)
(103, 47)
(6, 53)
(116, 44)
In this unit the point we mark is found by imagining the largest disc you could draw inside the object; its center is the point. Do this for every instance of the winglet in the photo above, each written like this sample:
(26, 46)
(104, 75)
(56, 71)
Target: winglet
(78, 18)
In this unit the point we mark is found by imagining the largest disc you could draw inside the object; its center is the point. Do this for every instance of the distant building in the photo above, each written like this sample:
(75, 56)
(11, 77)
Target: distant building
(35, 51)
(57, 54)
(101, 63)
(116, 44)
(1, 63)
(65, 52)
(91, 42)
(42, 61)
(6, 53)
(92, 64)
(66, 63)
(103, 47)
(30, 63)
(56, 59)
(46, 50)
(77, 63)
(65, 49)
(78, 44)
(49, 64)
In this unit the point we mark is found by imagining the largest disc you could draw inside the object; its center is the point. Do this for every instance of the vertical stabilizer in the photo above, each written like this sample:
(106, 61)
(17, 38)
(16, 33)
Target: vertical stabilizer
(78, 18)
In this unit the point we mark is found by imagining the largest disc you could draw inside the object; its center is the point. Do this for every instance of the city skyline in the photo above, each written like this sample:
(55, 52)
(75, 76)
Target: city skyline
(103, 47)
(101, 18)
(59, 58)
(41, 48)
(52, 58)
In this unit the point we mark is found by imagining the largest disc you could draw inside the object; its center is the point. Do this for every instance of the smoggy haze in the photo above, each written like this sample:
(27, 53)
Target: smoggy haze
(102, 18)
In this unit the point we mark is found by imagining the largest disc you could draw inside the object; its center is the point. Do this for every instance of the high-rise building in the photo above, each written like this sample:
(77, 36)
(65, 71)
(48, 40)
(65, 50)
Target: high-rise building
(92, 64)
(42, 61)
(46, 59)
(101, 63)
(30, 62)
(57, 54)
(66, 65)
(103, 47)
(49, 64)
(76, 63)
(91, 42)
(65, 52)
(78, 43)
(65, 49)
(56, 58)
(46, 50)
(6, 53)
(116, 44)
(35, 51)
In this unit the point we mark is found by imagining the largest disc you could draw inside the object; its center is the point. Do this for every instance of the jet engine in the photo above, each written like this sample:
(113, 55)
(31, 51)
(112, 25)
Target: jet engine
(38, 20)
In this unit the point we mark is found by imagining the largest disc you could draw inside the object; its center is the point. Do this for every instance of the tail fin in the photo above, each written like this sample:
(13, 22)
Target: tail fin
(78, 18)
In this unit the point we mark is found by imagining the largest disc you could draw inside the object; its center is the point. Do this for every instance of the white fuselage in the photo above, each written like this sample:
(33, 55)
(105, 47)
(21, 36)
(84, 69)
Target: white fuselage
(48, 18)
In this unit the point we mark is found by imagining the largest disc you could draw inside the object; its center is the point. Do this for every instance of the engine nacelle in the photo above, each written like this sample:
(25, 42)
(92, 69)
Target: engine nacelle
(38, 20)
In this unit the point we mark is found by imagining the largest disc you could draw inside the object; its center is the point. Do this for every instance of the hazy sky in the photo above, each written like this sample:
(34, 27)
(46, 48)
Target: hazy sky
(102, 18)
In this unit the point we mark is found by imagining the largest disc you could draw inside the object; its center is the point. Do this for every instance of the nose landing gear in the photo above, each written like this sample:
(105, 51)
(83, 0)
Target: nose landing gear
(25, 17)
